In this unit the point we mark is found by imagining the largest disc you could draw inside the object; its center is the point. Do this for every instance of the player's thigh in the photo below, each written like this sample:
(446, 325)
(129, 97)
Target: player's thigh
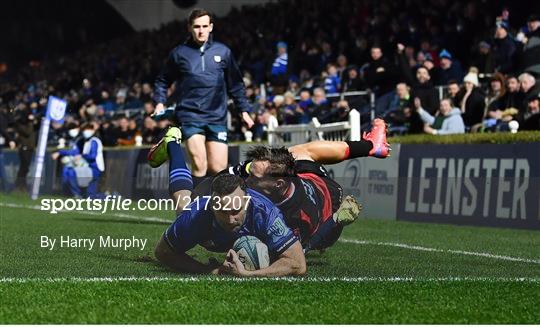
(320, 151)
(196, 149)
(216, 147)
(217, 153)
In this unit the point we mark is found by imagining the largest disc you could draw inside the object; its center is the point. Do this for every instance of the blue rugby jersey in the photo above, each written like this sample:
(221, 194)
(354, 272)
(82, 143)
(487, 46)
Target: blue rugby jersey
(199, 226)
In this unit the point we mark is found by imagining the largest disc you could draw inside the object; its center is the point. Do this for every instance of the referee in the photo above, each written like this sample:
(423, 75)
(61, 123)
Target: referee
(205, 73)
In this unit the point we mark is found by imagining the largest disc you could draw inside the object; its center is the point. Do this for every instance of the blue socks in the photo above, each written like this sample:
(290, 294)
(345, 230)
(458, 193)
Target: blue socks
(179, 174)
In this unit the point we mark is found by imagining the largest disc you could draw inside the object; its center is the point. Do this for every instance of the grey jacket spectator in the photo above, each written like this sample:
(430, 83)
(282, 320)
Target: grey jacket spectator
(452, 123)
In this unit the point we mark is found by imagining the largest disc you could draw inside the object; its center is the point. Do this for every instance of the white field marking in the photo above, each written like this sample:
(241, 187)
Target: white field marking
(422, 248)
(88, 212)
(364, 242)
(273, 279)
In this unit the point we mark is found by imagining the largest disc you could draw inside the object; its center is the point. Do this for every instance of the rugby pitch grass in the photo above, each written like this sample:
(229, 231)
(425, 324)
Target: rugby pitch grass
(380, 272)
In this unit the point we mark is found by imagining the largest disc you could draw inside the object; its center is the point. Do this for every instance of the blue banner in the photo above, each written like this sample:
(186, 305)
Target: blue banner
(56, 109)
(486, 185)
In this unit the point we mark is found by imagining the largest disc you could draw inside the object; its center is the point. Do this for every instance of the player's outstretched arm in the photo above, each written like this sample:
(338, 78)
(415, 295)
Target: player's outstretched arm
(181, 262)
(291, 262)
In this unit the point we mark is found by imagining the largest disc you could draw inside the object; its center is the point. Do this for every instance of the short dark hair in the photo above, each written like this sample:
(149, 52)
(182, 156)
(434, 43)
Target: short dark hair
(199, 12)
(453, 81)
(225, 184)
(281, 161)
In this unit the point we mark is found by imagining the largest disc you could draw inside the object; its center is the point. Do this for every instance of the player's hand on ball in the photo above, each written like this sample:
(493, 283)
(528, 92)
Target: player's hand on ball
(233, 265)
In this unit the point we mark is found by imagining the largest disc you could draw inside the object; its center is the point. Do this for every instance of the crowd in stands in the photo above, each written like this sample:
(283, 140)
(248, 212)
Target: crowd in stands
(297, 54)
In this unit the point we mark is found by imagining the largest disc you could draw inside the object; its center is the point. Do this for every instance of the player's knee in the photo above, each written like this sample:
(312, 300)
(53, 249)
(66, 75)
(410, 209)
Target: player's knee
(216, 167)
(301, 269)
(199, 163)
(160, 251)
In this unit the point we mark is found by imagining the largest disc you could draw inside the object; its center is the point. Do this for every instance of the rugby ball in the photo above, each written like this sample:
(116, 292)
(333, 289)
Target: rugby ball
(252, 252)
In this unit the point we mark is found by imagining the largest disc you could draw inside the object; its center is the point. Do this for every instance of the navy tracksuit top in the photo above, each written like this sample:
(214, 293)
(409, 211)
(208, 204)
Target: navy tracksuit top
(204, 77)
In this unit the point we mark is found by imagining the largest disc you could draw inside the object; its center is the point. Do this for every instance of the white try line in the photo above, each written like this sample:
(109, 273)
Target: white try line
(426, 249)
(211, 279)
(351, 241)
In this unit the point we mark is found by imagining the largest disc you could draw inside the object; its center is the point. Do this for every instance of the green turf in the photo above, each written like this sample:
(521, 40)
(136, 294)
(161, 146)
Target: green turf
(489, 300)
(270, 302)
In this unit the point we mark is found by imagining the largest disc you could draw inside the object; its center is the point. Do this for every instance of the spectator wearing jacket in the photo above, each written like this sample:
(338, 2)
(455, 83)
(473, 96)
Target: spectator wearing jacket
(5, 140)
(279, 76)
(380, 78)
(151, 132)
(512, 98)
(448, 121)
(530, 120)
(498, 113)
(472, 102)
(399, 113)
(332, 82)
(503, 49)
(26, 141)
(305, 107)
(484, 58)
(322, 110)
(341, 66)
(449, 69)
(529, 59)
(205, 72)
(83, 164)
(422, 87)
(125, 133)
(353, 82)
(452, 91)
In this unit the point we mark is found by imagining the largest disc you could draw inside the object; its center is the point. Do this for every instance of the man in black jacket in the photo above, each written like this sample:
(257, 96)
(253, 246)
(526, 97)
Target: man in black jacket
(504, 49)
(530, 55)
(421, 86)
(449, 69)
(380, 76)
(529, 89)
(205, 72)
(26, 140)
(5, 140)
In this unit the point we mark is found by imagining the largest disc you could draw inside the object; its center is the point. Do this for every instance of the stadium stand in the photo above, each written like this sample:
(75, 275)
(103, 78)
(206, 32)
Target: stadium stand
(329, 45)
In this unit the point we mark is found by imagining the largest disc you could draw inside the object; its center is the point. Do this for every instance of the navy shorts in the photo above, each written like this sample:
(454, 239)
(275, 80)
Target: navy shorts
(213, 132)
